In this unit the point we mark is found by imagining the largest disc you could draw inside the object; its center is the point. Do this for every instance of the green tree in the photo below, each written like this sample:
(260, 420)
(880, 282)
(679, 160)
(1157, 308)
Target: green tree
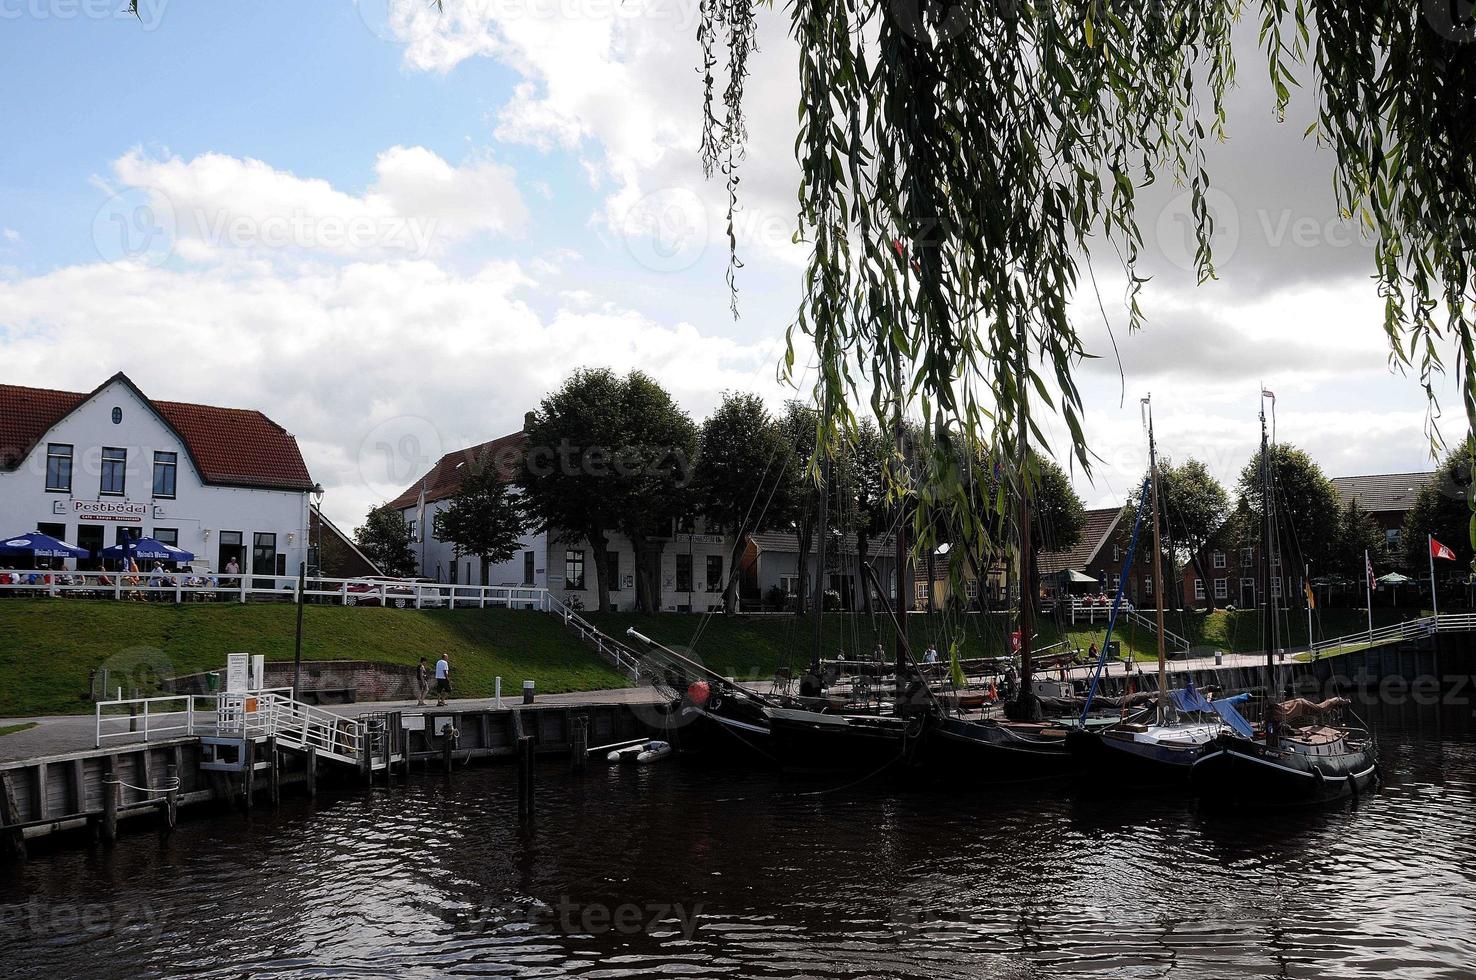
(1192, 507)
(385, 540)
(566, 478)
(1440, 509)
(864, 510)
(742, 475)
(1358, 533)
(652, 477)
(1306, 507)
(483, 520)
(798, 425)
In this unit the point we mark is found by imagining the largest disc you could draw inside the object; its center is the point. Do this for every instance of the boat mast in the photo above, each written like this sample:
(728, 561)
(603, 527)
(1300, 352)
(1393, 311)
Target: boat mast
(1158, 584)
(1027, 597)
(900, 534)
(1267, 621)
(821, 531)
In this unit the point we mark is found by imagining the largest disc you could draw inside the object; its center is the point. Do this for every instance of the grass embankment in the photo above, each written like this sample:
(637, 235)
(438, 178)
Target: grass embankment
(49, 646)
(12, 729)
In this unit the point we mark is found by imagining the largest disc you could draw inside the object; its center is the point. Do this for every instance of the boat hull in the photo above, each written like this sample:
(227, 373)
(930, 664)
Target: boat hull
(1110, 757)
(818, 741)
(988, 752)
(731, 730)
(1238, 773)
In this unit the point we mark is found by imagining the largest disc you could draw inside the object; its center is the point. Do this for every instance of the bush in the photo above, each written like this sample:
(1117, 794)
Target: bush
(776, 598)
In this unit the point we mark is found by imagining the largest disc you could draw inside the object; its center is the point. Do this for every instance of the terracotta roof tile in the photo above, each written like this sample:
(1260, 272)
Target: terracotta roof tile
(1099, 526)
(444, 479)
(1381, 492)
(229, 446)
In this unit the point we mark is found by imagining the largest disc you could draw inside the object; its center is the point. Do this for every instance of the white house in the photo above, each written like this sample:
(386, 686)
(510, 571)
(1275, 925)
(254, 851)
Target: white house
(220, 482)
(694, 565)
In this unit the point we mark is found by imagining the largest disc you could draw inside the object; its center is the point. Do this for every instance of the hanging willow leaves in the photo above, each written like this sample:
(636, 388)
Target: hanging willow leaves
(957, 159)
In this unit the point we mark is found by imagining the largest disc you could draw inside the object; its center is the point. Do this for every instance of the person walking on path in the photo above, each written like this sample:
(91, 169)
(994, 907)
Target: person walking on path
(443, 680)
(422, 682)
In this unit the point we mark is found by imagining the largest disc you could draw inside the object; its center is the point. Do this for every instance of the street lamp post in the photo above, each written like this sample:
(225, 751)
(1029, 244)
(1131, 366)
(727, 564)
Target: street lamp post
(317, 492)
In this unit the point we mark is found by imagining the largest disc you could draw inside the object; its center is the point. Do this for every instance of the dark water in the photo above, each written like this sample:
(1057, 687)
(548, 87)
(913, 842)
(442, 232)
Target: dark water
(674, 871)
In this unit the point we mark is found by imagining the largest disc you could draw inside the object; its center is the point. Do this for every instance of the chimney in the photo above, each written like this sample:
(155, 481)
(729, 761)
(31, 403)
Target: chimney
(528, 418)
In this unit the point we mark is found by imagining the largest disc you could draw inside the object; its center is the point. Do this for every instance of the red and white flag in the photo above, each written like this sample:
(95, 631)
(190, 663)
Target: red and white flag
(1373, 583)
(1438, 550)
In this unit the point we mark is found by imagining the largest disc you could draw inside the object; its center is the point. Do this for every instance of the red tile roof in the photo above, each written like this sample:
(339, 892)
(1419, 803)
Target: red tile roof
(1383, 491)
(1099, 527)
(444, 479)
(231, 447)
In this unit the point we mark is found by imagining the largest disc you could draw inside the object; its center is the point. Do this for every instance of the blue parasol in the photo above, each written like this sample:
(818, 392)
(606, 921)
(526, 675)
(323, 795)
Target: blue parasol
(38, 545)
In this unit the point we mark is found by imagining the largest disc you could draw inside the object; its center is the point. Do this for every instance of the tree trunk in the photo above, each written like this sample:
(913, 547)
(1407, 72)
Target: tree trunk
(862, 547)
(599, 543)
(648, 573)
(730, 589)
(802, 568)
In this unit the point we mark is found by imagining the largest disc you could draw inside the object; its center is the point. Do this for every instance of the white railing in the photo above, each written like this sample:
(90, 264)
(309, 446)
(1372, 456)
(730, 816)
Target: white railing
(1410, 629)
(1169, 636)
(151, 719)
(185, 586)
(623, 657)
(246, 715)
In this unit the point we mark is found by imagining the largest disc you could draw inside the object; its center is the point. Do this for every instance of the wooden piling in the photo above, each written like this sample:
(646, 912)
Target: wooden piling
(15, 839)
(171, 797)
(525, 778)
(446, 750)
(248, 774)
(274, 771)
(312, 771)
(111, 789)
(579, 744)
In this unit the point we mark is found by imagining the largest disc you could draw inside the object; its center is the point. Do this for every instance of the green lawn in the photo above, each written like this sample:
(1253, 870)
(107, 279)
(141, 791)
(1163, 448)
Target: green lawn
(12, 729)
(48, 646)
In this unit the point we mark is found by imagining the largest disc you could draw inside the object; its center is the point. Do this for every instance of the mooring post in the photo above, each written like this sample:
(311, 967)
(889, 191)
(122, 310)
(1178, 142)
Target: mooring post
(171, 796)
(446, 749)
(111, 790)
(579, 747)
(15, 839)
(525, 778)
(248, 773)
(312, 772)
(391, 722)
(527, 692)
(274, 775)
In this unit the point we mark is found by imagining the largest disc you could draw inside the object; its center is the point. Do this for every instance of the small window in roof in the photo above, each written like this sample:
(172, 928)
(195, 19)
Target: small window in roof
(117, 415)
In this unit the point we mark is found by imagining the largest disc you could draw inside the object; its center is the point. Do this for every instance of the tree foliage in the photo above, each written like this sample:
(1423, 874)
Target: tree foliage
(385, 540)
(482, 519)
(1192, 507)
(566, 475)
(958, 160)
(743, 475)
(1358, 535)
(1441, 509)
(1305, 505)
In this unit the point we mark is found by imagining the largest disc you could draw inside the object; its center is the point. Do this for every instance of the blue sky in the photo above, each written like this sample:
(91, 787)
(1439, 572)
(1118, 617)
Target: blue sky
(547, 149)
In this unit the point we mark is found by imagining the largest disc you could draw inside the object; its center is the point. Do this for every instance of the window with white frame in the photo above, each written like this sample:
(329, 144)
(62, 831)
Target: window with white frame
(1276, 587)
(920, 590)
(58, 467)
(1148, 585)
(1199, 588)
(574, 569)
(1219, 559)
(971, 589)
(1247, 557)
(1222, 588)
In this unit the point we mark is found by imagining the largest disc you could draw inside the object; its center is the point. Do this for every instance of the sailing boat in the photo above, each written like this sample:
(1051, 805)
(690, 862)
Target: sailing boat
(1303, 753)
(1161, 743)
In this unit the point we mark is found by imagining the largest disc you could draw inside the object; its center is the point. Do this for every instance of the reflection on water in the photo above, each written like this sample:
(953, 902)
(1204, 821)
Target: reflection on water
(673, 870)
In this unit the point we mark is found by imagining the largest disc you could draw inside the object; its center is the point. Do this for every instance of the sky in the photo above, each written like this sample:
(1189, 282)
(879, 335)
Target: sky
(393, 231)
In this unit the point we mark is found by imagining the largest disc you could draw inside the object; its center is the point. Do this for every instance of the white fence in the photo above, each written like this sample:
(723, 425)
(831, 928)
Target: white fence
(180, 587)
(1410, 629)
(246, 715)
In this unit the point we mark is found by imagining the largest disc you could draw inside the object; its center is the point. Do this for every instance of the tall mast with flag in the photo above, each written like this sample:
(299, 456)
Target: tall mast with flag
(1368, 586)
(1158, 584)
(1437, 550)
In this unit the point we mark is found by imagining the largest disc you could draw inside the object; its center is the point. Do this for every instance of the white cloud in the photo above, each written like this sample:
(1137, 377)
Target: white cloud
(351, 358)
(417, 205)
(11, 235)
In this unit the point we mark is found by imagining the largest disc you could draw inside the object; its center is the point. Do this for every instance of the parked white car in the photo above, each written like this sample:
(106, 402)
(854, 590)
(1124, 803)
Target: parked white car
(379, 590)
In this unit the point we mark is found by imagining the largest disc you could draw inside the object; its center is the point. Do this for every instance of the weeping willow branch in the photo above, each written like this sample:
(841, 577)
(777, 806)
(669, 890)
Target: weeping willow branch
(957, 159)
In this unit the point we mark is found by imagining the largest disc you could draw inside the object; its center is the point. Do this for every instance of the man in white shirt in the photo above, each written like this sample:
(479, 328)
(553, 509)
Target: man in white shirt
(443, 680)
